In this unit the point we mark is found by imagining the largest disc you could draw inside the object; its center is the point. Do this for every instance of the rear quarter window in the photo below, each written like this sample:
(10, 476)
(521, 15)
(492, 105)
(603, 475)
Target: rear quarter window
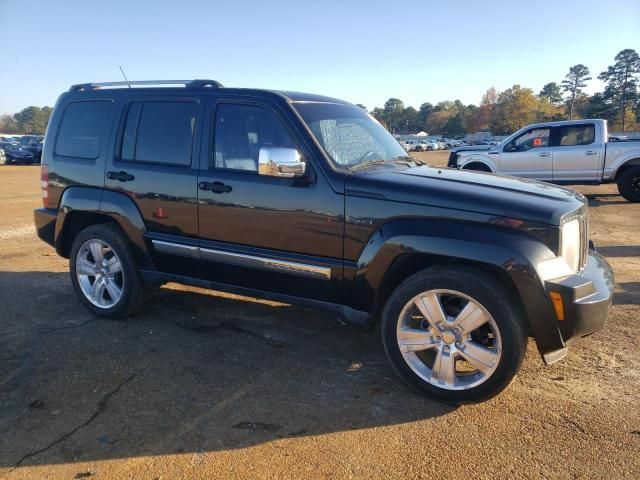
(82, 129)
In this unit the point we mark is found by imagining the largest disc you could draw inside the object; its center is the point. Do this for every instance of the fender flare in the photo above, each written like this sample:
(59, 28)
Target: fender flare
(117, 206)
(513, 253)
(634, 160)
(478, 159)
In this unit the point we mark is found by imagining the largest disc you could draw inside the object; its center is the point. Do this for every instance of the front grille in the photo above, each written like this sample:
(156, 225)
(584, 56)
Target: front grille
(453, 160)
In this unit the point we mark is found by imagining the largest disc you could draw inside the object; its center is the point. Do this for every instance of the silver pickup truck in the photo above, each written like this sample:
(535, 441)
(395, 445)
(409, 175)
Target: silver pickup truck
(572, 152)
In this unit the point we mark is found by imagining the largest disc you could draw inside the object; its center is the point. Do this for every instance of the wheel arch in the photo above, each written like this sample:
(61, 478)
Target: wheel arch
(81, 207)
(405, 247)
(408, 264)
(482, 160)
(633, 162)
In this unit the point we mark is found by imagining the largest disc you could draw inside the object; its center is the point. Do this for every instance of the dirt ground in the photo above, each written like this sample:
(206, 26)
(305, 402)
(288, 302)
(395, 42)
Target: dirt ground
(205, 385)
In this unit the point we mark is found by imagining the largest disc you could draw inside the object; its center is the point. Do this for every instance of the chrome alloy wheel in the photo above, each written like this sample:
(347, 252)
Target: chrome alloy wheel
(99, 273)
(449, 339)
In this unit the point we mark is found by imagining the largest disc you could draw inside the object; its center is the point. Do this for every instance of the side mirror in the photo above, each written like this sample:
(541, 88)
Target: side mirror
(280, 162)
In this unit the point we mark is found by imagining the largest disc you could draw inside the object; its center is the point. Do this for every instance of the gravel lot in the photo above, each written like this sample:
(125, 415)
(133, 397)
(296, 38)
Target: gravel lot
(206, 385)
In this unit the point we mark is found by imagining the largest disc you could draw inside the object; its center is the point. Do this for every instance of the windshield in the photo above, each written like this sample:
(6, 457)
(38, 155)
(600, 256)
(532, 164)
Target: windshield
(348, 134)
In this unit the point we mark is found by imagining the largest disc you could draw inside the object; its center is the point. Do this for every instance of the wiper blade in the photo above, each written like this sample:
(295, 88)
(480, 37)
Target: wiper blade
(366, 164)
(409, 161)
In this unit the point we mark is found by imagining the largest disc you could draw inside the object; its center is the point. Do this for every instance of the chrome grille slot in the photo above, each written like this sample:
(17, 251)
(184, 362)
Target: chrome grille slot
(584, 237)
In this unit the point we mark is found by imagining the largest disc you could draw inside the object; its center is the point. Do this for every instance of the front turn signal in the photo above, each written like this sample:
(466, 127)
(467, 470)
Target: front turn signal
(558, 306)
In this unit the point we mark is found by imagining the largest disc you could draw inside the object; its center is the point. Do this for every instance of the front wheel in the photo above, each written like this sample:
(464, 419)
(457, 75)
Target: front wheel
(454, 334)
(629, 184)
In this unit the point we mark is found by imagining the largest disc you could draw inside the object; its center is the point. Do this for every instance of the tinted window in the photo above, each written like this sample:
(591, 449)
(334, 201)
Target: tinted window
(240, 132)
(83, 126)
(575, 135)
(159, 132)
(538, 137)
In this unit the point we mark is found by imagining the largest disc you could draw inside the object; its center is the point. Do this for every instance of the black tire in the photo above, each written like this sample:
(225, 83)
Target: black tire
(486, 291)
(629, 184)
(477, 167)
(429, 149)
(132, 286)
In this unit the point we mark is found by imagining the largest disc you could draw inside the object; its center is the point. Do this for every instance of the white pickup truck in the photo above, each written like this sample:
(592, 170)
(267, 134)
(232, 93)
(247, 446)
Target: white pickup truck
(571, 152)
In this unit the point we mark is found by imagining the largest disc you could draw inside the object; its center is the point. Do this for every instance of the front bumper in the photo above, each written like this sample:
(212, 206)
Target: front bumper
(45, 220)
(586, 299)
(452, 162)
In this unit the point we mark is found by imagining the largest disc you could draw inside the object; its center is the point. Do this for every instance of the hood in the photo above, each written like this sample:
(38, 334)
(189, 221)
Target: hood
(496, 195)
(474, 148)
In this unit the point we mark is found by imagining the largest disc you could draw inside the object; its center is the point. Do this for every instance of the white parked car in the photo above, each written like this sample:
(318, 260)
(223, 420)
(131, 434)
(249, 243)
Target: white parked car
(428, 145)
(408, 145)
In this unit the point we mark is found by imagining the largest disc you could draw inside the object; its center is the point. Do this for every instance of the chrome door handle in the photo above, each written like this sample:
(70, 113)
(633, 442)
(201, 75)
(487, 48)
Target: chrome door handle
(215, 187)
(545, 154)
(590, 152)
(120, 176)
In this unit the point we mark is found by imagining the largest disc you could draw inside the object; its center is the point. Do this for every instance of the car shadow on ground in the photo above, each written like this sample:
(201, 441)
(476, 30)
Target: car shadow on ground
(627, 293)
(192, 372)
(620, 251)
(599, 199)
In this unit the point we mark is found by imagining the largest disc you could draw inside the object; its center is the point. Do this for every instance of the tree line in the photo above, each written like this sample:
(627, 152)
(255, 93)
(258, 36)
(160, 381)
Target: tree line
(498, 112)
(505, 112)
(30, 120)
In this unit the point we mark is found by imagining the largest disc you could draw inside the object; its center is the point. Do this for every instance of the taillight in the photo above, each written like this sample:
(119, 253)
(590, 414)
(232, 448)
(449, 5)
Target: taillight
(44, 185)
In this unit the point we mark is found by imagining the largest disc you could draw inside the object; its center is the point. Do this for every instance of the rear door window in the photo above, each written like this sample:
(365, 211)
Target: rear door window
(159, 132)
(572, 135)
(82, 129)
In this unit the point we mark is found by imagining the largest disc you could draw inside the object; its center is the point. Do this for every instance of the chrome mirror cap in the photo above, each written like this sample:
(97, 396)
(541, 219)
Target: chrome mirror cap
(280, 162)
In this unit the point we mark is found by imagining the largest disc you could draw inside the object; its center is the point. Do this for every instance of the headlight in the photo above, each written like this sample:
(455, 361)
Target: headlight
(570, 244)
(568, 260)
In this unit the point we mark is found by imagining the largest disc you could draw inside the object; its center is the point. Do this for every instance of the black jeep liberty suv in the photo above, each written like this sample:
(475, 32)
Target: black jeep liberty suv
(307, 199)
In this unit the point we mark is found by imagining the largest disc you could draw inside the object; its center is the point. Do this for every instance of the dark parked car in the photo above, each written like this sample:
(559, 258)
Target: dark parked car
(32, 143)
(307, 199)
(14, 153)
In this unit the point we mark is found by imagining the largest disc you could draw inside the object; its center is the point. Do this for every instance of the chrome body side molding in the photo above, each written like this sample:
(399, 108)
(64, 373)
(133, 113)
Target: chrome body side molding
(243, 260)
(176, 249)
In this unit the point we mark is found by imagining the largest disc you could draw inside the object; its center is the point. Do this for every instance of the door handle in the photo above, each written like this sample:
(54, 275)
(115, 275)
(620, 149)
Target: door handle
(590, 152)
(545, 154)
(215, 187)
(121, 176)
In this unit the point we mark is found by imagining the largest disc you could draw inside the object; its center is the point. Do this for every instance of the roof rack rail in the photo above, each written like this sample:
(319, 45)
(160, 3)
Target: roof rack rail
(187, 84)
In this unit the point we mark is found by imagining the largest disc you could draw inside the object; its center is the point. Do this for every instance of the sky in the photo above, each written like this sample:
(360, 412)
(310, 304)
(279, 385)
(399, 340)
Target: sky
(360, 51)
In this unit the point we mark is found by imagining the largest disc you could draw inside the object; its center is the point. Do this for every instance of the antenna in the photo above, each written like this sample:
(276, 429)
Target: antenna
(125, 77)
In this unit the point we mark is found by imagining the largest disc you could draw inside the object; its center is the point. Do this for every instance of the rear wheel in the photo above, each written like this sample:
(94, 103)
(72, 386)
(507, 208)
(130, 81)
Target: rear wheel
(454, 334)
(629, 184)
(104, 273)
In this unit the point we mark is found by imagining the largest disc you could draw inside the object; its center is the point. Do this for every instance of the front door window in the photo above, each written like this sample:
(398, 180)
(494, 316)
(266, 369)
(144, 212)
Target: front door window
(536, 138)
